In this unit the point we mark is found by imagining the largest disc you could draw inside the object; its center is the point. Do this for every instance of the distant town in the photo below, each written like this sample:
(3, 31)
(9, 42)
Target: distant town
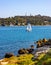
(24, 20)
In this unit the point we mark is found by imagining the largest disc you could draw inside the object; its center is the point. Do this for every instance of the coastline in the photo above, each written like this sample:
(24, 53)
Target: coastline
(26, 25)
(38, 52)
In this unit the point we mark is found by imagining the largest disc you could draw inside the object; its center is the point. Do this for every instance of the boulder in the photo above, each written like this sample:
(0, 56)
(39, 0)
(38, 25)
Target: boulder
(8, 55)
(30, 50)
(22, 51)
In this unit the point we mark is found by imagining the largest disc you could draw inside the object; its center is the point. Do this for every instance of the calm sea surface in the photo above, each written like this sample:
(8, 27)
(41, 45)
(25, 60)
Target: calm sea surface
(14, 38)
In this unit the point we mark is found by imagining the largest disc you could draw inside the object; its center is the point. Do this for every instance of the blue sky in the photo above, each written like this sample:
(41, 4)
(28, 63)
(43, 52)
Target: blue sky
(10, 8)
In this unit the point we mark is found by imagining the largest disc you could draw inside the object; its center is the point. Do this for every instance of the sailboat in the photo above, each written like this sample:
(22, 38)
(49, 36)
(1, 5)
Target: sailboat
(29, 28)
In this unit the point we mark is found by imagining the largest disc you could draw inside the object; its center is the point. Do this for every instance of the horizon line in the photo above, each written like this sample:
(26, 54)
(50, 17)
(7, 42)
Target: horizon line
(25, 15)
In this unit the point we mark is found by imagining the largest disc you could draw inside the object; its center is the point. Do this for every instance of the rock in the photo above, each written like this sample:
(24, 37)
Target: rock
(8, 55)
(30, 50)
(22, 51)
(32, 46)
(26, 51)
(41, 43)
(44, 40)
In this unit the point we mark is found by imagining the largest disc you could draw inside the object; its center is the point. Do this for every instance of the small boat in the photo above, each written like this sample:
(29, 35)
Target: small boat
(29, 28)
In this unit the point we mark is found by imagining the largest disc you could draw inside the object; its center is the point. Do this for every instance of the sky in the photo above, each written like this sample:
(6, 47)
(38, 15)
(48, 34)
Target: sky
(9, 8)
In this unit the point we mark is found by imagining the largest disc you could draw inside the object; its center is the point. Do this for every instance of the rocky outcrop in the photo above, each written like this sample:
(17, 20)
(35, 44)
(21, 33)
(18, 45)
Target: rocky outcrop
(22, 51)
(43, 42)
(26, 51)
(8, 55)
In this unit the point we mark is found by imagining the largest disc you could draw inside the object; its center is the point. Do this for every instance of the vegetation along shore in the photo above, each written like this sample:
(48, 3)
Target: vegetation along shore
(23, 20)
(30, 56)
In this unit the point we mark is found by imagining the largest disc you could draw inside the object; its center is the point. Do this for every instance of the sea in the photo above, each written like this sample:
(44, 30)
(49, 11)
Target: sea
(13, 38)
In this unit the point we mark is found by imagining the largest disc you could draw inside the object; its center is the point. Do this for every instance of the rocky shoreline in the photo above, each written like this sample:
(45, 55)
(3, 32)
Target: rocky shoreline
(43, 46)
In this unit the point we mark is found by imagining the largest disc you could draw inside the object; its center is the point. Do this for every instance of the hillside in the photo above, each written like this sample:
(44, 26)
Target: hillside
(23, 20)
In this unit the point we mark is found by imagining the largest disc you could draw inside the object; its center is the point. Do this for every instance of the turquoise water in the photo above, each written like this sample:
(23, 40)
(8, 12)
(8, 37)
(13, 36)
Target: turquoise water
(14, 38)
